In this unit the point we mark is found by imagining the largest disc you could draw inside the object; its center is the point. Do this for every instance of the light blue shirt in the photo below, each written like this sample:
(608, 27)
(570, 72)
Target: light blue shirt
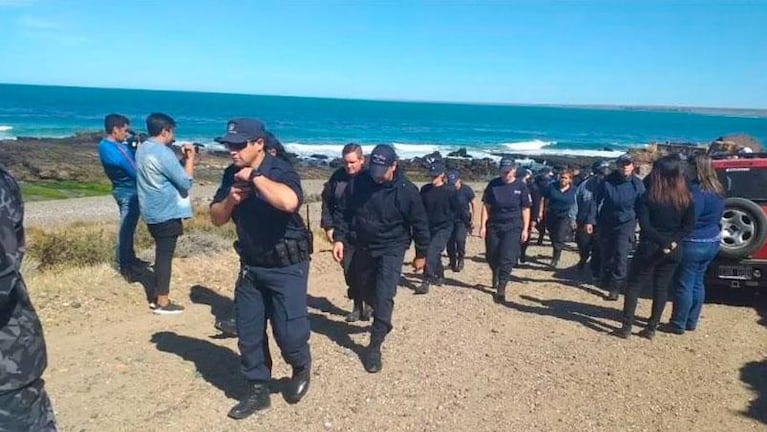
(163, 185)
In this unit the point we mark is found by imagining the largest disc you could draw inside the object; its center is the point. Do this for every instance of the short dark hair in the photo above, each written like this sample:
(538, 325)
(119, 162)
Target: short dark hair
(157, 122)
(352, 148)
(115, 120)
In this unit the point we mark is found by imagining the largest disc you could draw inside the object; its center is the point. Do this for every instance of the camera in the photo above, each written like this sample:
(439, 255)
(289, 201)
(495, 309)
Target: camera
(134, 139)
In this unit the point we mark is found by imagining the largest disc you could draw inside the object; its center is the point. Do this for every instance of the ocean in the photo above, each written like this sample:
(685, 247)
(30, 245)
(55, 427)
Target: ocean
(321, 126)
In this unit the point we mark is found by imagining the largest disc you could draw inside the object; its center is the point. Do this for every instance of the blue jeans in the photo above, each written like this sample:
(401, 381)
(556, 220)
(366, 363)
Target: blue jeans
(129, 214)
(689, 290)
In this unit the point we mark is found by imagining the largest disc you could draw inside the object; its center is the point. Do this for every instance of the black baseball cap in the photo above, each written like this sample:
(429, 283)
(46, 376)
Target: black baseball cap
(382, 157)
(624, 159)
(600, 166)
(453, 176)
(436, 169)
(242, 130)
(507, 163)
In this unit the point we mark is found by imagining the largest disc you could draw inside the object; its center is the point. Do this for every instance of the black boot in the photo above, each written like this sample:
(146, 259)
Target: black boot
(495, 279)
(227, 327)
(500, 293)
(615, 289)
(459, 264)
(367, 312)
(555, 259)
(423, 288)
(256, 400)
(624, 332)
(649, 331)
(453, 264)
(372, 360)
(299, 383)
(356, 312)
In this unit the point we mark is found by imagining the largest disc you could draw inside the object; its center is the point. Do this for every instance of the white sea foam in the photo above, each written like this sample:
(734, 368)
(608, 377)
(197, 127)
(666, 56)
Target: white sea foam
(535, 144)
(4, 128)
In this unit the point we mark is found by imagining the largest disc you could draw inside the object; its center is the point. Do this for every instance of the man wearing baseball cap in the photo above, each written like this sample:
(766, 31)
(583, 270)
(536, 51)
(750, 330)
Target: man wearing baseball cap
(614, 212)
(383, 210)
(261, 194)
(586, 237)
(456, 244)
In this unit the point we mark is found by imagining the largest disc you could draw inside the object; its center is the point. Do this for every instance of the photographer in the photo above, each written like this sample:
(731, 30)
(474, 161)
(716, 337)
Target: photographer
(163, 190)
(119, 164)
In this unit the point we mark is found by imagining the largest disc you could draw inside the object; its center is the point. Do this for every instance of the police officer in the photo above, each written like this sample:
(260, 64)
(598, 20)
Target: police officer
(558, 200)
(586, 237)
(614, 212)
(384, 211)
(540, 183)
(504, 223)
(259, 190)
(440, 201)
(456, 245)
(334, 188)
(24, 404)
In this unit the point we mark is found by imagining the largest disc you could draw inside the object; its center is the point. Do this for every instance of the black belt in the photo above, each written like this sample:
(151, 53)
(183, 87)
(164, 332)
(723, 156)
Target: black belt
(285, 253)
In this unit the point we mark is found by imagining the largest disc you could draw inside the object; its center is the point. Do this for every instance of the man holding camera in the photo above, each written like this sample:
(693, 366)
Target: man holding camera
(261, 194)
(119, 164)
(163, 191)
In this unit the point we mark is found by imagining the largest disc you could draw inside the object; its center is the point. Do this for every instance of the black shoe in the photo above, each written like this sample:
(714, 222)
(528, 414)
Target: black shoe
(459, 265)
(453, 265)
(523, 259)
(554, 263)
(256, 400)
(581, 264)
(671, 328)
(129, 275)
(500, 295)
(372, 361)
(299, 384)
(624, 332)
(648, 332)
(612, 295)
(138, 262)
(423, 288)
(495, 280)
(355, 314)
(228, 327)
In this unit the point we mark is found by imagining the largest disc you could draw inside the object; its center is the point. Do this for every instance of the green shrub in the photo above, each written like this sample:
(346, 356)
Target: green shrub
(72, 247)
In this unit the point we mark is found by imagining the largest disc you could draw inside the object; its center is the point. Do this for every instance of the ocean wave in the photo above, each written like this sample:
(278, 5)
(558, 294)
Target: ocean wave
(535, 144)
(4, 128)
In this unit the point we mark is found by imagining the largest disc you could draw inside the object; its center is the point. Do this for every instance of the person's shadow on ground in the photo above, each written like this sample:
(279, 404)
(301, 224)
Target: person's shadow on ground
(217, 365)
(754, 374)
(145, 277)
(597, 318)
(221, 307)
(339, 332)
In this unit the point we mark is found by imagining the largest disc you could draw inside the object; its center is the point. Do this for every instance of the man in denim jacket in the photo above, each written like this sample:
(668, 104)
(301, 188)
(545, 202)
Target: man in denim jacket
(119, 165)
(163, 193)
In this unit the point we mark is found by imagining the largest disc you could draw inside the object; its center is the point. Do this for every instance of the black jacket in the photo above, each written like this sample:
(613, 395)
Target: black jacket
(382, 216)
(616, 201)
(332, 192)
(443, 206)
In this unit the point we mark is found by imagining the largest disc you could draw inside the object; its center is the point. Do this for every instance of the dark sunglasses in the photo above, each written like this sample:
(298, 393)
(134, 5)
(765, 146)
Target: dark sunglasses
(235, 146)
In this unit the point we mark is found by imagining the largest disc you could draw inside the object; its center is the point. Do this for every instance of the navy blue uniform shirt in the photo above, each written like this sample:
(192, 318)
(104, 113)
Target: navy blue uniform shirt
(332, 192)
(259, 225)
(442, 206)
(506, 202)
(616, 201)
(465, 197)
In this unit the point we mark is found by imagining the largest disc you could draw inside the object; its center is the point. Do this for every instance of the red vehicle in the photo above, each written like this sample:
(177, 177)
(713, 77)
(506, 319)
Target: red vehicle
(742, 260)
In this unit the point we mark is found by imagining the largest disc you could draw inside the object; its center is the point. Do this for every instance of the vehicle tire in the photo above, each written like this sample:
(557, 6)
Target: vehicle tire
(744, 228)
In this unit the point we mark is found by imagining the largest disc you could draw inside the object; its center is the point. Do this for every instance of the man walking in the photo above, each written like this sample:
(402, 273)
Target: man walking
(384, 211)
(259, 190)
(456, 245)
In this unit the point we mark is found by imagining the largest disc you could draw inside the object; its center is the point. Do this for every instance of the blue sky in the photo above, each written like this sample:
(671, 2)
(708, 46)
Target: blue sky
(692, 53)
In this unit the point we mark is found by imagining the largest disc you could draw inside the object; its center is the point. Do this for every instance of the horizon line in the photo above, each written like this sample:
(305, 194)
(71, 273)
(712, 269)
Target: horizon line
(602, 106)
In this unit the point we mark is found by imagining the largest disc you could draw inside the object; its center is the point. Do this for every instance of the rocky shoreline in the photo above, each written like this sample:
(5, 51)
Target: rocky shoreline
(75, 158)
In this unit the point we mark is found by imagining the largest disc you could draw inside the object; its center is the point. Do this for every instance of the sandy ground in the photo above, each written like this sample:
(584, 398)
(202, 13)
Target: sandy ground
(455, 361)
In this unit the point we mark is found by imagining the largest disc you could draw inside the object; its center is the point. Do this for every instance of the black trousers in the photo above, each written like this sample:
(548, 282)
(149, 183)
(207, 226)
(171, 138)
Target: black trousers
(456, 244)
(165, 235)
(650, 269)
(502, 248)
(351, 291)
(559, 231)
(588, 246)
(377, 278)
(439, 238)
(277, 295)
(616, 243)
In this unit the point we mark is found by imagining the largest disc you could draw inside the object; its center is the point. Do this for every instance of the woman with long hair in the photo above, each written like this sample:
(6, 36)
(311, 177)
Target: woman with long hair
(699, 247)
(666, 215)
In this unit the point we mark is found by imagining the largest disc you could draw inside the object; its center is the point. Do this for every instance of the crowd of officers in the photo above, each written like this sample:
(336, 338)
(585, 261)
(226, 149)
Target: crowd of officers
(371, 213)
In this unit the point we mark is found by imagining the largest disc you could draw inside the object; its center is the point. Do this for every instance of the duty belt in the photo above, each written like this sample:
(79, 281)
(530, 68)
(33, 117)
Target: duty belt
(285, 252)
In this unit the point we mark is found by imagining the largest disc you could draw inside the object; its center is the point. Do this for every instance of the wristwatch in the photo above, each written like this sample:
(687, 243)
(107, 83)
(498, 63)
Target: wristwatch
(254, 173)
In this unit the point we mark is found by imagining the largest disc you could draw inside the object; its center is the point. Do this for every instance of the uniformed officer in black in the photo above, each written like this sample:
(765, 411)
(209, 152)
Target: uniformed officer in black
(456, 245)
(334, 188)
(384, 211)
(24, 403)
(586, 236)
(504, 223)
(440, 200)
(262, 195)
(614, 211)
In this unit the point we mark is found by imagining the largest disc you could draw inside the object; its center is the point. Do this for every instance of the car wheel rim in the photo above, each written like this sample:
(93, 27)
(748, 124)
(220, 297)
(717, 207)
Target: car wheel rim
(738, 229)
